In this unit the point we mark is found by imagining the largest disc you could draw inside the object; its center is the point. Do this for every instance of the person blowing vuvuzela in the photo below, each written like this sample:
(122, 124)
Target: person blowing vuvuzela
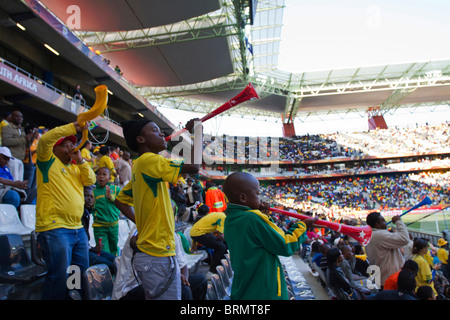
(255, 242)
(147, 192)
(61, 176)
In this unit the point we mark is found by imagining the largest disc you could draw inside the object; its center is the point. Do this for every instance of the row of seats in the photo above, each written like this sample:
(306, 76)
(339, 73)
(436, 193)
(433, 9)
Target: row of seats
(22, 279)
(220, 286)
(298, 288)
(24, 221)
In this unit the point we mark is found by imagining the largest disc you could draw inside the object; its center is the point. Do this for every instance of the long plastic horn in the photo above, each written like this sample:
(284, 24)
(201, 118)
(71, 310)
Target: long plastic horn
(101, 101)
(361, 234)
(425, 201)
(249, 93)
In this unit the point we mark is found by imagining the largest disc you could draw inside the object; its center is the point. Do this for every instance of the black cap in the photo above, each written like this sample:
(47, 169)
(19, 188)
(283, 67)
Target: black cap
(131, 129)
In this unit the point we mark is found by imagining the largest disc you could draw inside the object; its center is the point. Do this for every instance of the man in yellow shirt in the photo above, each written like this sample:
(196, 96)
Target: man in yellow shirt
(208, 231)
(60, 205)
(147, 191)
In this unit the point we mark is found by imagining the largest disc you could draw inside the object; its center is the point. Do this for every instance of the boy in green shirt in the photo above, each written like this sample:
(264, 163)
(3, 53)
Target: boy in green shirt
(255, 242)
(106, 214)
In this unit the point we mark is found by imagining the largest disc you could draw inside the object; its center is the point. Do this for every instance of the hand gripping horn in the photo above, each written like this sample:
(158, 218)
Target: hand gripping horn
(425, 201)
(249, 93)
(361, 234)
(101, 100)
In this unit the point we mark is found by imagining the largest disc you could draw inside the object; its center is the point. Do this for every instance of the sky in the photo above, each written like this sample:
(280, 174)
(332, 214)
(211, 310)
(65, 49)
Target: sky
(338, 34)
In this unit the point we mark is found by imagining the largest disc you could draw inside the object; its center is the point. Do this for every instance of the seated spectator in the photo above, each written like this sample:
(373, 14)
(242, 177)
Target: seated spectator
(336, 278)
(11, 191)
(425, 293)
(357, 282)
(406, 285)
(324, 248)
(315, 252)
(361, 261)
(208, 231)
(391, 281)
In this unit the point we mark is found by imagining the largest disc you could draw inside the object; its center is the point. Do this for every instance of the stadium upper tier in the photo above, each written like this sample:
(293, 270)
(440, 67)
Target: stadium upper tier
(376, 144)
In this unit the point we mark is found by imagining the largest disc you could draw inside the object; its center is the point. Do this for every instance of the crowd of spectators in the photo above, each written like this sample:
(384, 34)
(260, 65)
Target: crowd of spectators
(327, 199)
(427, 138)
(362, 193)
(409, 268)
(330, 146)
(18, 155)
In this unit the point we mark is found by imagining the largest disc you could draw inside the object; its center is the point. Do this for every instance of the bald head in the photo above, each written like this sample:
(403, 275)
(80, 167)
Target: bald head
(242, 188)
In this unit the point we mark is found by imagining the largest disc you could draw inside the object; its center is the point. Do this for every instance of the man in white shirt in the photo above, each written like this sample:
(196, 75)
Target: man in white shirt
(384, 248)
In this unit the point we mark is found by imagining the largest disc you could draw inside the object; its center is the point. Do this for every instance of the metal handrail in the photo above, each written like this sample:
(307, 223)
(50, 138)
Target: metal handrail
(49, 86)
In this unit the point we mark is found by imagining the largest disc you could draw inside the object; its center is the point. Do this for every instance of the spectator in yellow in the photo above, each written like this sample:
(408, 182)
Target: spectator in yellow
(147, 193)
(424, 276)
(61, 177)
(6, 117)
(106, 161)
(208, 231)
(442, 254)
(86, 153)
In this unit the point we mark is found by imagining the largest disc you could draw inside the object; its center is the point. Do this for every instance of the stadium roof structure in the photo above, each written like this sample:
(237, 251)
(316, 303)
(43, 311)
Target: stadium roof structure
(195, 55)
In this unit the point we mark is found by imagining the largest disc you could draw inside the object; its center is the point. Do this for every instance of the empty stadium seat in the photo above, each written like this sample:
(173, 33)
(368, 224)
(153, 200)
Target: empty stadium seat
(228, 268)
(98, 282)
(210, 292)
(28, 215)
(219, 288)
(225, 279)
(15, 264)
(10, 222)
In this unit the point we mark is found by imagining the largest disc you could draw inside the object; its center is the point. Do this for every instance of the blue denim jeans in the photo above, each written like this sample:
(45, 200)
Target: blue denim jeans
(62, 248)
(12, 197)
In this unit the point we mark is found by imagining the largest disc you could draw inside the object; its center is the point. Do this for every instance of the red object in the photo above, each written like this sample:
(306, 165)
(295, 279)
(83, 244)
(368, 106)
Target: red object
(288, 130)
(100, 243)
(248, 93)
(360, 234)
(71, 138)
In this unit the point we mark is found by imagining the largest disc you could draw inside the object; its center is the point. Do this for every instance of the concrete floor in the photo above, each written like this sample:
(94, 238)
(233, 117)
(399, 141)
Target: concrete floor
(318, 290)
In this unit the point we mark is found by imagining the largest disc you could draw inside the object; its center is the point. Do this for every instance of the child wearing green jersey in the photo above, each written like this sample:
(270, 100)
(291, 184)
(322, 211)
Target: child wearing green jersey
(255, 242)
(106, 214)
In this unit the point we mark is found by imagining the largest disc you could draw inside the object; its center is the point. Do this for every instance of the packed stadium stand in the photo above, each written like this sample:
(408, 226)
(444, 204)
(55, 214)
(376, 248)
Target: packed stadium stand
(48, 74)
